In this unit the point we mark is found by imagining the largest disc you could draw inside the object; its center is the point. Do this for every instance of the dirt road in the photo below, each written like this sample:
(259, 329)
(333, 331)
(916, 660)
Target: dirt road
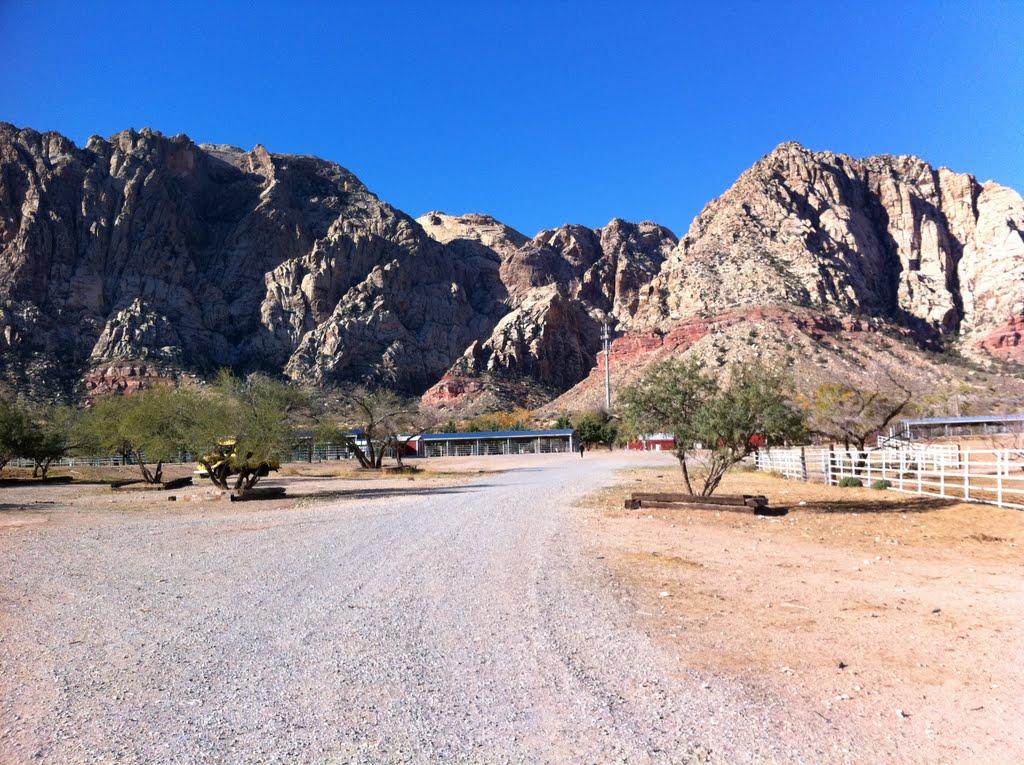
(469, 624)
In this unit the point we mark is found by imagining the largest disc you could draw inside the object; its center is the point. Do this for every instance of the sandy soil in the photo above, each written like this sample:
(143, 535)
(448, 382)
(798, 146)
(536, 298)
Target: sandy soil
(893, 620)
(894, 615)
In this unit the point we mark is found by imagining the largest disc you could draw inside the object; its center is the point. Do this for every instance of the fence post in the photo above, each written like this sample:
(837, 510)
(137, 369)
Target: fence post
(1002, 457)
(967, 474)
(903, 466)
(942, 478)
(827, 459)
(803, 464)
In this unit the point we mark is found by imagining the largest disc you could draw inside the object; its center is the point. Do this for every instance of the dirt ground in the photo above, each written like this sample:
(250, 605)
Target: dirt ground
(897, 615)
(893, 615)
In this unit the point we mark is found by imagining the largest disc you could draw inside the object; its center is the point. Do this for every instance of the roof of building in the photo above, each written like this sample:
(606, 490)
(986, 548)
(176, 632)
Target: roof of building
(974, 420)
(496, 434)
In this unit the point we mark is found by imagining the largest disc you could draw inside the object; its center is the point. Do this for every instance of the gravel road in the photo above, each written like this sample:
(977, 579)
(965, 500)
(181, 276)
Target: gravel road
(467, 625)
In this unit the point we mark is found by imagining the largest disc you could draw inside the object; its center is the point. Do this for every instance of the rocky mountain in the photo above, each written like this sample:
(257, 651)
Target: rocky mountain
(562, 285)
(157, 255)
(835, 265)
(143, 256)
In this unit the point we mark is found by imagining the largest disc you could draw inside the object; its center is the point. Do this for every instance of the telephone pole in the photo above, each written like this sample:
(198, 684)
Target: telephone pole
(607, 338)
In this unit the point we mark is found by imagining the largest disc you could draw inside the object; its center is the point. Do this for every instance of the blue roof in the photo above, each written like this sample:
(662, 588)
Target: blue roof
(496, 434)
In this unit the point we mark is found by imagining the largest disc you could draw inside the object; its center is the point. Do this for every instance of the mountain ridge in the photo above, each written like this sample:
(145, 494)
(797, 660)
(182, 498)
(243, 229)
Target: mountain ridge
(144, 255)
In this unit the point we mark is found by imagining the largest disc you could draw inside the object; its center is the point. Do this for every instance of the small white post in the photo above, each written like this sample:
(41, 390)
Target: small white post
(967, 474)
(1002, 458)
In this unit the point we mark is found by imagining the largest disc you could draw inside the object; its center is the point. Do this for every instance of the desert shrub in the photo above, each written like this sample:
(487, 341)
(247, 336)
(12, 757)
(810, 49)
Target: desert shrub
(881, 484)
(850, 481)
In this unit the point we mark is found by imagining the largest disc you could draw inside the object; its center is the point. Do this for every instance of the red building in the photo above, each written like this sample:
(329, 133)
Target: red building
(653, 442)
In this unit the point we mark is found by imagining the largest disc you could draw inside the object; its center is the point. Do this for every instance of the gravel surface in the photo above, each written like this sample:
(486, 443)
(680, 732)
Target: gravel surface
(468, 625)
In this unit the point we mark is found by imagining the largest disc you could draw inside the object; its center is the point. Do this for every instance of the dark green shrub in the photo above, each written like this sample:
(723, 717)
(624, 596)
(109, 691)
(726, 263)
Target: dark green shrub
(883, 484)
(850, 481)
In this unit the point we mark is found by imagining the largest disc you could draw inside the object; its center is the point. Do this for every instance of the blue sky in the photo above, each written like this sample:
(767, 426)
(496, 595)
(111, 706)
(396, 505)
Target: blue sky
(539, 113)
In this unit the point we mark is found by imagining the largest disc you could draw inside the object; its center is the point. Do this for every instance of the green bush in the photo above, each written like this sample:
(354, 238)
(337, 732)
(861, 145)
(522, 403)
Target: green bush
(881, 484)
(850, 481)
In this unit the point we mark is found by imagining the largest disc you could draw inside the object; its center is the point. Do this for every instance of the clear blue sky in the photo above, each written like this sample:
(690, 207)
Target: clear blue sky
(539, 113)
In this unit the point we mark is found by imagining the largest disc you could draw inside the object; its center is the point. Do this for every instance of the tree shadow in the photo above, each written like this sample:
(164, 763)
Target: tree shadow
(856, 507)
(396, 493)
(11, 507)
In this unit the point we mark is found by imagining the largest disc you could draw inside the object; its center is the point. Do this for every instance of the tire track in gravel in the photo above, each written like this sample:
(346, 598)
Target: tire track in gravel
(467, 627)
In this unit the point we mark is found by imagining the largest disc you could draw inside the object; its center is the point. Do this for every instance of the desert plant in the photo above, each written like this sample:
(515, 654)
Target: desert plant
(850, 481)
(15, 431)
(153, 425)
(729, 422)
(881, 484)
(56, 431)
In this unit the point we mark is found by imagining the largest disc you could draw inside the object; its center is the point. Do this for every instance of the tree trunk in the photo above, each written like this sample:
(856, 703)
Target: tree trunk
(246, 480)
(715, 474)
(861, 462)
(217, 476)
(681, 456)
(146, 474)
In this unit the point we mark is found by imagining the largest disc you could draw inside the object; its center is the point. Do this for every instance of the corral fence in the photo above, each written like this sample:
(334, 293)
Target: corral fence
(319, 453)
(993, 476)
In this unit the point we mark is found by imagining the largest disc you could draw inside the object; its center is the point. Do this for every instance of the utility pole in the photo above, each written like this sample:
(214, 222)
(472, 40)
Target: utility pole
(607, 338)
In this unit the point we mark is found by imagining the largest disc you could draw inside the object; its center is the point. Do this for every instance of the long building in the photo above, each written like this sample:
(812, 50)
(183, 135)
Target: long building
(934, 427)
(494, 442)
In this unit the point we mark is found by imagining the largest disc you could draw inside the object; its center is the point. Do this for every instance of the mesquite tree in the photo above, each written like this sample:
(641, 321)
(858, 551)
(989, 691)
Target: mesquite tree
(55, 432)
(153, 425)
(714, 426)
(15, 430)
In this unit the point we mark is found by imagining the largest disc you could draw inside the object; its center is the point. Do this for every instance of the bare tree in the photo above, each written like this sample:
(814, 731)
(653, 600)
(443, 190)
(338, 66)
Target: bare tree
(380, 417)
(852, 415)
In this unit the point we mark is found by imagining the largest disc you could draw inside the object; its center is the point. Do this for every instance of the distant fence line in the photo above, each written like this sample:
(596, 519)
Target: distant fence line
(320, 453)
(992, 476)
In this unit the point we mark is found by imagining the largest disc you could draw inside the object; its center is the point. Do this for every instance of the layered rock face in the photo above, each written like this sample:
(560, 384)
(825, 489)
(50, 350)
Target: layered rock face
(885, 236)
(144, 256)
(817, 262)
(188, 258)
(562, 285)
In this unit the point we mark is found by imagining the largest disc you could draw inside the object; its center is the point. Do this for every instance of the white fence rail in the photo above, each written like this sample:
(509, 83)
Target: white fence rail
(992, 476)
(319, 453)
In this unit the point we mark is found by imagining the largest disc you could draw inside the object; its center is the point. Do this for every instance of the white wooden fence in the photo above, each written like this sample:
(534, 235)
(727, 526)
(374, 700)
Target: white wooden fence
(319, 453)
(993, 476)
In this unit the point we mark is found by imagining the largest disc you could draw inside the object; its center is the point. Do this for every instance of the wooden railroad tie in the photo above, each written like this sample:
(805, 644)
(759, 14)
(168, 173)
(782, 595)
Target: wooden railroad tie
(251, 495)
(743, 503)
